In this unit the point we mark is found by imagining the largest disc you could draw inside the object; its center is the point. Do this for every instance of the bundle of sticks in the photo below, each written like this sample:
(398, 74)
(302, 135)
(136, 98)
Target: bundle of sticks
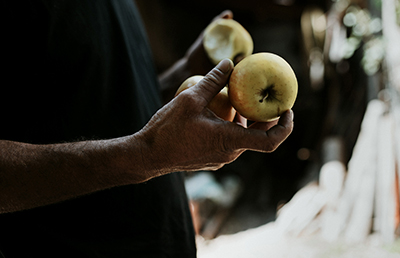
(355, 200)
(351, 202)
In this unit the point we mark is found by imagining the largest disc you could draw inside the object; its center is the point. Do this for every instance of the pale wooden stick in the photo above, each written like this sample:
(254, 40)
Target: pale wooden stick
(360, 165)
(385, 182)
(332, 177)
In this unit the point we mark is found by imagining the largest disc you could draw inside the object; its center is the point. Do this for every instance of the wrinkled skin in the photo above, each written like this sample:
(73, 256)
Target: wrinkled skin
(184, 135)
(202, 140)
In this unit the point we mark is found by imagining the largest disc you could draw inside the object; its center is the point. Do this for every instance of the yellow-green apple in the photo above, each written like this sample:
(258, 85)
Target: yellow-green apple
(262, 86)
(220, 104)
(226, 38)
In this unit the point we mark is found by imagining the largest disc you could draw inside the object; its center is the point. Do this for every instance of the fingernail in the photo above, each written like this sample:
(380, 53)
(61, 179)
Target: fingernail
(225, 65)
(292, 114)
(226, 14)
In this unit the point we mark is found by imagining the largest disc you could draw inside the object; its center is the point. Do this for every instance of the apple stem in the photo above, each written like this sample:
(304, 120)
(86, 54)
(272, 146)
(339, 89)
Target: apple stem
(264, 98)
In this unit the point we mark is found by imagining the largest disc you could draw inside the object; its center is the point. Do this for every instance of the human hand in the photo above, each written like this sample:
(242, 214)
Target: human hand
(198, 60)
(195, 62)
(186, 136)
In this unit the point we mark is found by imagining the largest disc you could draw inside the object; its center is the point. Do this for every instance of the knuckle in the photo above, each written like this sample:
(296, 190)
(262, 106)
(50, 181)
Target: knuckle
(189, 100)
(270, 145)
(224, 143)
(194, 98)
(187, 97)
(209, 84)
(226, 146)
(213, 77)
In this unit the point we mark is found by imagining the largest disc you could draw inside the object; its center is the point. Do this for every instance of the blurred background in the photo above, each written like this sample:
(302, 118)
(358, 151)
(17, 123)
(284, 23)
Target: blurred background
(345, 54)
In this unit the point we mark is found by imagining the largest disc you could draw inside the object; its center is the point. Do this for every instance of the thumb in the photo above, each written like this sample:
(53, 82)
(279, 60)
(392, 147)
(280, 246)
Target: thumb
(214, 81)
(227, 14)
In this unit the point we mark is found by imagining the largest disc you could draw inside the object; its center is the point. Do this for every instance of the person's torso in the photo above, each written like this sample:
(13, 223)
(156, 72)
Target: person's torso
(76, 70)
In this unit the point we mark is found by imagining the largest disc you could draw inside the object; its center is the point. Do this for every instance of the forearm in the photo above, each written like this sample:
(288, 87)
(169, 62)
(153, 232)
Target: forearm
(195, 62)
(184, 135)
(36, 175)
(172, 78)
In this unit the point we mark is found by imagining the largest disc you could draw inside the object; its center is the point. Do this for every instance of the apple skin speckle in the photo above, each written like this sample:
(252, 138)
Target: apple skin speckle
(249, 83)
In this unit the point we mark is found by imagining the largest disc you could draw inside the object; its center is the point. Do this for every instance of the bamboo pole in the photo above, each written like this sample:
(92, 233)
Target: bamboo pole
(361, 165)
(384, 221)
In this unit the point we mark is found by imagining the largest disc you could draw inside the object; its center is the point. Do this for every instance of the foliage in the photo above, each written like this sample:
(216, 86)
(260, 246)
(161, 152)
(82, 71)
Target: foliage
(365, 31)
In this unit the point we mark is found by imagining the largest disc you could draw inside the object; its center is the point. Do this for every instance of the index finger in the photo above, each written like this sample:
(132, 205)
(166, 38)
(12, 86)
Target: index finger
(268, 141)
(214, 81)
(227, 14)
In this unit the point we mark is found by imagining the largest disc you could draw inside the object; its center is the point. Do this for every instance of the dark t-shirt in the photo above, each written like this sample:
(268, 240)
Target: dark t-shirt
(82, 69)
